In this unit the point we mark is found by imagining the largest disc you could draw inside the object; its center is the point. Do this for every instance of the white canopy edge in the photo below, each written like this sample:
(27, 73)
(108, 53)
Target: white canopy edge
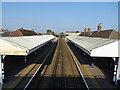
(23, 45)
(97, 47)
(109, 50)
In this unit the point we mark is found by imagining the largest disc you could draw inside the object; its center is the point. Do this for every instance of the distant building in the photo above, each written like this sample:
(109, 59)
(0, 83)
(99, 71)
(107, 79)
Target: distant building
(22, 32)
(87, 32)
(72, 32)
(112, 34)
(4, 32)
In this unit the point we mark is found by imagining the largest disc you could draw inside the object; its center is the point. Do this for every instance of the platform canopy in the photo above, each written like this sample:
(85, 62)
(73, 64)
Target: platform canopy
(22, 45)
(97, 47)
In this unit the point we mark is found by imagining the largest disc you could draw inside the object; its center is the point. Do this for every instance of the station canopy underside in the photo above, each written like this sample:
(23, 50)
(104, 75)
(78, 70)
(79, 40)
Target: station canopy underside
(22, 45)
(97, 47)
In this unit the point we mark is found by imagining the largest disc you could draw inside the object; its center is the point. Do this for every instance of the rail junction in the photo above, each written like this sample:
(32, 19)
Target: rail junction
(59, 62)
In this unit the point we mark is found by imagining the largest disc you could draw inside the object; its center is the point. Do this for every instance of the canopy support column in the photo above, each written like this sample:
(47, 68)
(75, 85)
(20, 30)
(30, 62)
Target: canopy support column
(35, 53)
(116, 70)
(84, 53)
(25, 59)
(2, 78)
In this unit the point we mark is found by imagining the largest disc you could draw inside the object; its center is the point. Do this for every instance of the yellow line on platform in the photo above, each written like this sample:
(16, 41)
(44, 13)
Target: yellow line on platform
(22, 75)
(92, 78)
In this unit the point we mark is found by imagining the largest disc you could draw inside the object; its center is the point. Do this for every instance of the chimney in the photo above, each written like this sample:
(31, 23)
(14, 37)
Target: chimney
(89, 29)
(85, 30)
(99, 27)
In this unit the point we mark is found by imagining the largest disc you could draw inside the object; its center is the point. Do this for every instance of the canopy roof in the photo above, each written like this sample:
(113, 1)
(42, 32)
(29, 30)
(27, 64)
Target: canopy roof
(96, 47)
(23, 45)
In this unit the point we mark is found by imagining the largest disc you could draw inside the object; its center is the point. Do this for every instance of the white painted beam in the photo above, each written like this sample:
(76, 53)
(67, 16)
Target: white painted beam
(1, 69)
(118, 70)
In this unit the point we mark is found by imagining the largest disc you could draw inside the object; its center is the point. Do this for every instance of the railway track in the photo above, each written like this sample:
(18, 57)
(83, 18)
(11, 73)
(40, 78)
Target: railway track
(26, 76)
(62, 72)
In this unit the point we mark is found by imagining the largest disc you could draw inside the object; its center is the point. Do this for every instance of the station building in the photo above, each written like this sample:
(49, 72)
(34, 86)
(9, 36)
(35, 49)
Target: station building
(22, 32)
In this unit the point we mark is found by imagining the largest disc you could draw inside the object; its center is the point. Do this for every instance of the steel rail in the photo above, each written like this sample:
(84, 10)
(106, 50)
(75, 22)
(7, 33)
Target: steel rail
(21, 79)
(55, 67)
(42, 75)
(79, 70)
(76, 83)
(63, 75)
(39, 68)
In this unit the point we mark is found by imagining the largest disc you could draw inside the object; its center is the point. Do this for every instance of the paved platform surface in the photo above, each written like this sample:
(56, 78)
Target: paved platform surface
(96, 77)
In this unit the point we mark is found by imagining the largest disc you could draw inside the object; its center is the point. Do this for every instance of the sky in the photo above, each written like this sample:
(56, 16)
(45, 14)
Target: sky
(59, 16)
(60, 0)
(0, 15)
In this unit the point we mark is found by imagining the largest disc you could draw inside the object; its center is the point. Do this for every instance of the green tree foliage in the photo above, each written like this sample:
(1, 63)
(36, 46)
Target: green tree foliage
(50, 32)
(77, 31)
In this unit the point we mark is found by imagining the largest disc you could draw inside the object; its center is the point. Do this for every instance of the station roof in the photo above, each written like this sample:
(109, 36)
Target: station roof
(22, 45)
(22, 32)
(97, 47)
(112, 34)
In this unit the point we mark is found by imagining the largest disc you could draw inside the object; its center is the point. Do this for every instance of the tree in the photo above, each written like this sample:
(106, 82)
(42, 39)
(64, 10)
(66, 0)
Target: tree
(61, 33)
(50, 32)
(77, 31)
